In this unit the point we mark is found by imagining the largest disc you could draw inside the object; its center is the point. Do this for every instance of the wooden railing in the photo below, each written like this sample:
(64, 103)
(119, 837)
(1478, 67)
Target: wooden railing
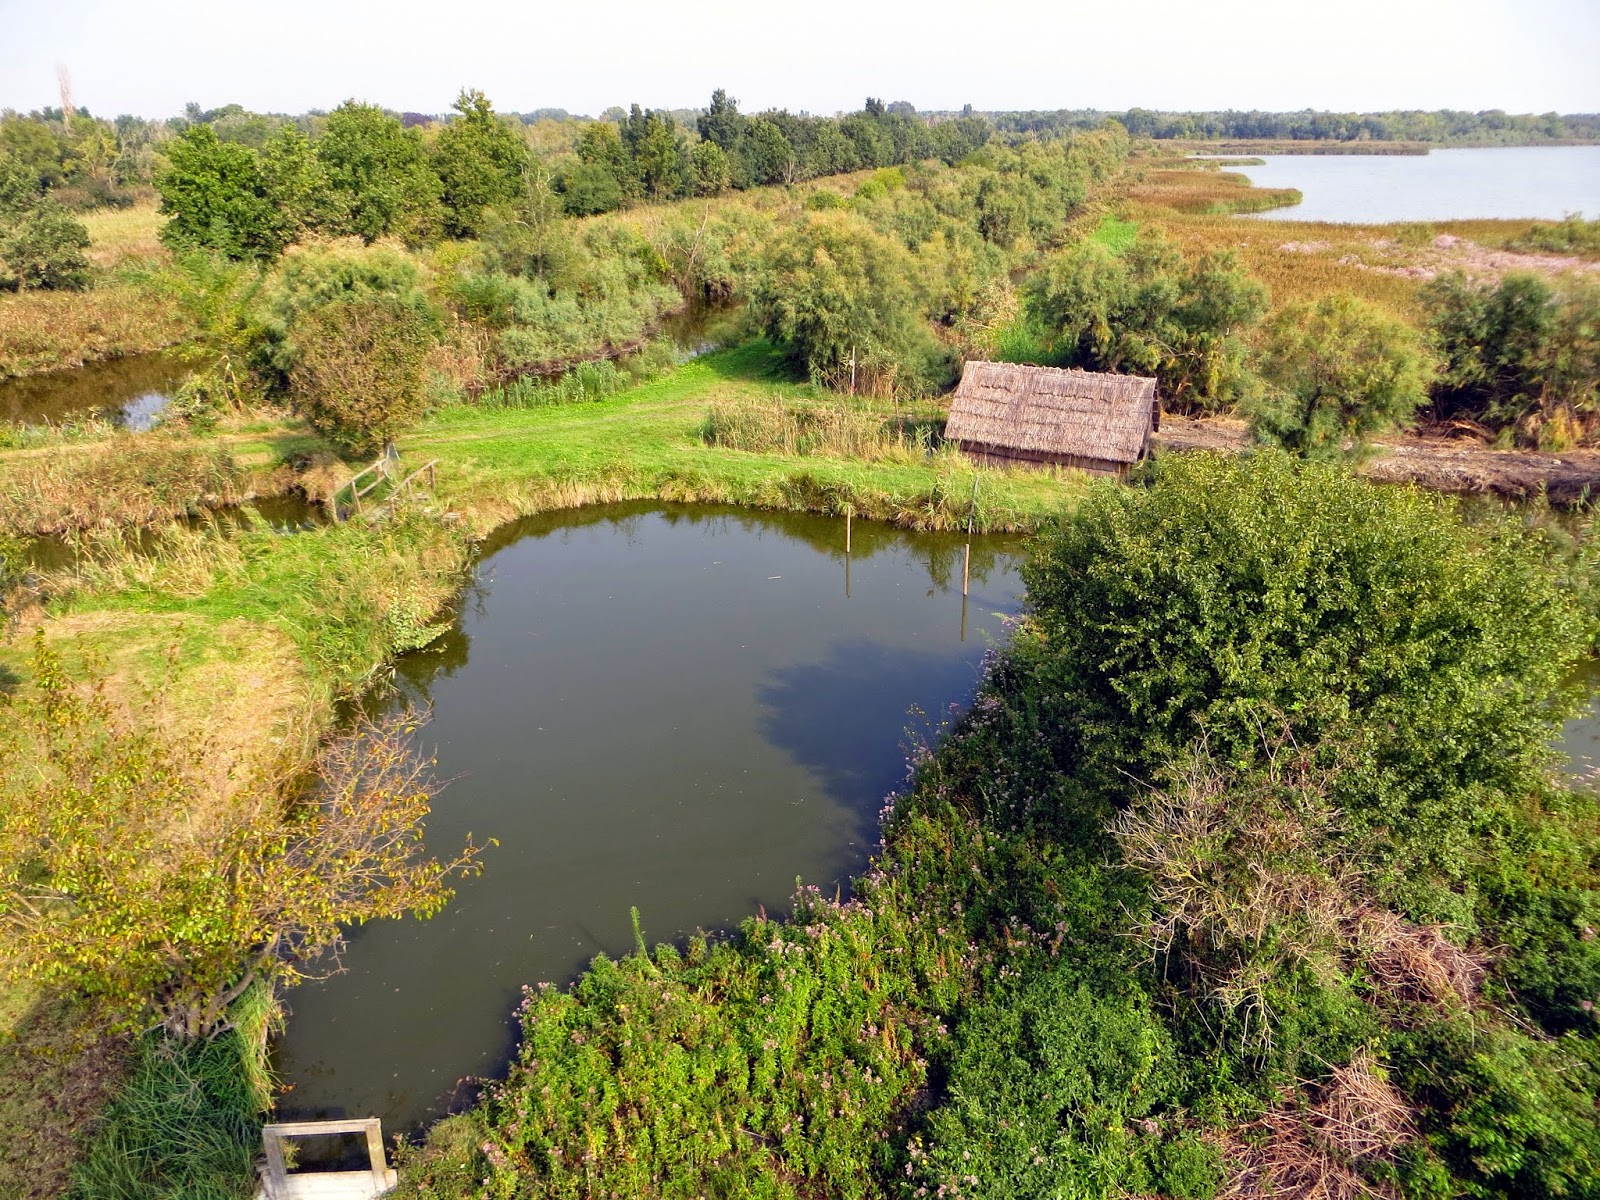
(380, 472)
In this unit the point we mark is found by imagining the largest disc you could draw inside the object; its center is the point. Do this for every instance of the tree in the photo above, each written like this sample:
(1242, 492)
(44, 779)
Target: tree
(295, 184)
(721, 124)
(847, 303)
(712, 172)
(590, 188)
(123, 876)
(480, 160)
(215, 198)
(41, 244)
(1146, 310)
(359, 371)
(44, 248)
(1337, 371)
(1519, 353)
(380, 183)
(770, 157)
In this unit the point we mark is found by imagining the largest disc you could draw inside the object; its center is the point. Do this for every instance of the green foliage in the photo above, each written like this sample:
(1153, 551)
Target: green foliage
(1337, 371)
(480, 160)
(312, 277)
(1144, 310)
(1573, 235)
(713, 174)
(1507, 1114)
(359, 371)
(591, 188)
(1233, 596)
(216, 198)
(846, 301)
(1063, 1086)
(1519, 353)
(98, 895)
(379, 181)
(42, 247)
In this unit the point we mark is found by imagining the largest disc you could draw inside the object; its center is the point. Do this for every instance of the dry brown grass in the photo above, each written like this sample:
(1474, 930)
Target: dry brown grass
(1200, 191)
(1417, 963)
(1358, 1120)
(45, 331)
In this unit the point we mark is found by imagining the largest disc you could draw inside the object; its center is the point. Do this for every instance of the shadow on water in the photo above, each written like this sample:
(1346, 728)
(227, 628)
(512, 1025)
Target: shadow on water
(671, 707)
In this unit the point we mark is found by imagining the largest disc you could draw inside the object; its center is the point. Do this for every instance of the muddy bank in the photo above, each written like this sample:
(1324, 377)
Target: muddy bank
(1569, 479)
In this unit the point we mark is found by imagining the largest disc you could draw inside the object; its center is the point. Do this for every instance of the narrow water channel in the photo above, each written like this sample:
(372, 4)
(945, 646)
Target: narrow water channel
(130, 392)
(677, 708)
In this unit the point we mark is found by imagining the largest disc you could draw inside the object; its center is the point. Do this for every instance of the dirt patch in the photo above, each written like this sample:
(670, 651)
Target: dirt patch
(58, 1071)
(1440, 464)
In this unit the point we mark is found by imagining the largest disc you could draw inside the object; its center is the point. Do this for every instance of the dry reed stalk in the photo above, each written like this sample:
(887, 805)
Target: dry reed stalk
(1417, 962)
(1298, 1153)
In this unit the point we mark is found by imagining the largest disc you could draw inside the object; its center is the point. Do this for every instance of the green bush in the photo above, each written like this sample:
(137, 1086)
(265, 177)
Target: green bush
(1507, 1114)
(44, 248)
(1138, 307)
(1060, 1088)
(1236, 596)
(1337, 371)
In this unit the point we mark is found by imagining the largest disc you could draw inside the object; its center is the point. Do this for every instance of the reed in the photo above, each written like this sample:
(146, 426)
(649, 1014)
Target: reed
(129, 480)
(45, 331)
(771, 425)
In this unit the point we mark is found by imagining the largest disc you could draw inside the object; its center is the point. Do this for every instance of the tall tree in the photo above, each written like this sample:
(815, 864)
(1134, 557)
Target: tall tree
(480, 159)
(215, 198)
(380, 182)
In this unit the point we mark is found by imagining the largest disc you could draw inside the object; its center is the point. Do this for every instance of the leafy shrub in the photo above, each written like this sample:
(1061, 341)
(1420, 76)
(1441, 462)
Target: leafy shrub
(1508, 1115)
(1573, 235)
(1520, 354)
(41, 243)
(1143, 309)
(1232, 596)
(1337, 371)
(1063, 1087)
(359, 373)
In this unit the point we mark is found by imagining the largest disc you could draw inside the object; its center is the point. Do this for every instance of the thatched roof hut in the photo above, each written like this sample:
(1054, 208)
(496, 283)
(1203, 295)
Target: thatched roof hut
(1007, 413)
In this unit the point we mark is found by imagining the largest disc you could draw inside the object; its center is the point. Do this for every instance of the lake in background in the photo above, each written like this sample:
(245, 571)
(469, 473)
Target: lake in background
(1545, 182)
(679, 708)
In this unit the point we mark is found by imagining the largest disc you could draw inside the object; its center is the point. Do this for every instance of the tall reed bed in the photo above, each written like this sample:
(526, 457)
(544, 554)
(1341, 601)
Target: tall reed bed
(840, 430)
(126, 481)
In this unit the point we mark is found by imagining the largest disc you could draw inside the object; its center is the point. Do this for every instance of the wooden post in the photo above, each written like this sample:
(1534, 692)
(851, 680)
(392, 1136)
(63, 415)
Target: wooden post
(966, 570)
(849, 514)
(380, 1168)
(963, 618)
(277, 1169)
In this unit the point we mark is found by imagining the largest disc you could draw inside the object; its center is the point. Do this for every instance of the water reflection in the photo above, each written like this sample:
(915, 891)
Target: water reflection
(131, 392)
(666, 706)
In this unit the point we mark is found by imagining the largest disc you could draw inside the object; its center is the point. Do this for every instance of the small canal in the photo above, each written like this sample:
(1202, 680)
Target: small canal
(679, 708)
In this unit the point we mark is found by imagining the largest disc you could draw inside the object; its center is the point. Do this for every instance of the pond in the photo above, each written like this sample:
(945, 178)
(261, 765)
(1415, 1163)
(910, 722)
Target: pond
(129, 391)
(1546, 182)
(677, 708)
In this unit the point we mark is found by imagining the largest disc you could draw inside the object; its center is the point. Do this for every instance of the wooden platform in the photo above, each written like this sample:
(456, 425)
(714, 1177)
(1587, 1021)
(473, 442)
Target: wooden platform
(278, 1183)
(328, 1185)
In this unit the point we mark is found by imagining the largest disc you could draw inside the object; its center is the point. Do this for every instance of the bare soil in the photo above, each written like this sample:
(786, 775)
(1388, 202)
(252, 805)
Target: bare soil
(1439, 463)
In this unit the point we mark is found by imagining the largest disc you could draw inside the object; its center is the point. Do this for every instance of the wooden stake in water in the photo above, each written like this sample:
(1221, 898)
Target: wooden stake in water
(849, 514)
(966, 568)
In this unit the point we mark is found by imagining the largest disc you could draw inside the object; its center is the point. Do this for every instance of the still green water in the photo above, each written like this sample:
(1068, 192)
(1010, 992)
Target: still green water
(677, 708)
(131, 392)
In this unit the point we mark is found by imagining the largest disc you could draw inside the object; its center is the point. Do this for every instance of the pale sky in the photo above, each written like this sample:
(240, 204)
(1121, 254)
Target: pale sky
(149, 57)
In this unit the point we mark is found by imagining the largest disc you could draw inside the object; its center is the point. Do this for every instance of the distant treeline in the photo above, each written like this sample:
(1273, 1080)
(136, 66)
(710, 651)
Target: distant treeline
(1492, 127)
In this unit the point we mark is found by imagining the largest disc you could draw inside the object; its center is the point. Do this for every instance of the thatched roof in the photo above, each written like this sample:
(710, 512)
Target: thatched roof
(1047, 410)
